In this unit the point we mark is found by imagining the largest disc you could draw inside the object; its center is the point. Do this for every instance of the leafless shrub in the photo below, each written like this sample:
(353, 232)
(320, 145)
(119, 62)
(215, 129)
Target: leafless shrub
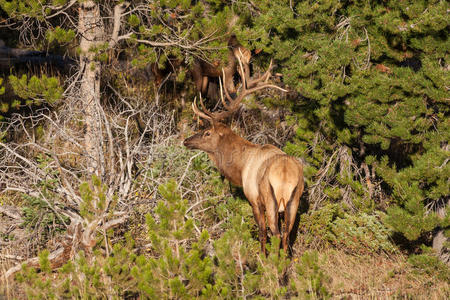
(47, 159)
(342, 165)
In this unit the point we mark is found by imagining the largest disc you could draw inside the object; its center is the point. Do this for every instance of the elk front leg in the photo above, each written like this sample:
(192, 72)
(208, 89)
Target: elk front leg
(197, 76)
(204, 88)
(258, 213)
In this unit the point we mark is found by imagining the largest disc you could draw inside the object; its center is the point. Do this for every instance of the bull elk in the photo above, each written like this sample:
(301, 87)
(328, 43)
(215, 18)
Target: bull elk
(204, 72)
(272, 181)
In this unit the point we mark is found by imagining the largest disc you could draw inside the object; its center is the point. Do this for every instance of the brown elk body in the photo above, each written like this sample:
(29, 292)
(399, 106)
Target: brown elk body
(272, 181)
(204, 72)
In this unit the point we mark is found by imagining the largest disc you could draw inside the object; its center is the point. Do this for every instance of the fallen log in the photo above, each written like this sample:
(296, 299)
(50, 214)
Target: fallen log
(18, 58)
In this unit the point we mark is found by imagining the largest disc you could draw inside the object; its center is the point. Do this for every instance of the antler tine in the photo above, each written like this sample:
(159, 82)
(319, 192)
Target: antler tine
(226, 93)
(255, 85)
(264, 78)
(199, 112)
(243, 74)
(268, 73)
(203, 106)
(231, 100)
(263, 86)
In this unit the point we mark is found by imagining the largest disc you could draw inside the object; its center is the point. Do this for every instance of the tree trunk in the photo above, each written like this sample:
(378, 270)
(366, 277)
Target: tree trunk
(91, 29)
(439, 237)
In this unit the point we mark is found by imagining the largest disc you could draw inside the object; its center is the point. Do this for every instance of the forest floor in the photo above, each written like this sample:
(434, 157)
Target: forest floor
(379, 277)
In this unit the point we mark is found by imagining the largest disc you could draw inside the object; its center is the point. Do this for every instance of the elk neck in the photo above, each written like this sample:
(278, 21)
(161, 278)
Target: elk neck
(231, 156)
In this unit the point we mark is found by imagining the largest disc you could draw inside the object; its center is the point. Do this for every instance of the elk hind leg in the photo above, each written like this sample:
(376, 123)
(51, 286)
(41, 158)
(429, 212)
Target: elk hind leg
(258, 213)
(286, 226)
(290, 212)
(272, 216)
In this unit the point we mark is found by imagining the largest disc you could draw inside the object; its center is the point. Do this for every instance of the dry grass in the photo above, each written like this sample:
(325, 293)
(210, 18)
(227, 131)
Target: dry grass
(378, 277)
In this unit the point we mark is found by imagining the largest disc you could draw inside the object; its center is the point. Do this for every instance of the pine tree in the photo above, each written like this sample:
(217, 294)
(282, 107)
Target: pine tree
(372, 77)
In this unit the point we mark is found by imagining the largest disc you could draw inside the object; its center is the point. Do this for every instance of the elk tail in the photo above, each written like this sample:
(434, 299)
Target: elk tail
(284, 202)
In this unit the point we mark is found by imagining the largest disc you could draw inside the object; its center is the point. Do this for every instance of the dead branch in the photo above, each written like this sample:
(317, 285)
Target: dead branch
(10, 211)
(119, 9)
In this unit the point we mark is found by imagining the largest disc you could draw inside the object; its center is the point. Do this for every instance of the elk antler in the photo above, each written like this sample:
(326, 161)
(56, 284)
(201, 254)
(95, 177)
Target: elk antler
(249, 86)
(199, 112)
(244, 69)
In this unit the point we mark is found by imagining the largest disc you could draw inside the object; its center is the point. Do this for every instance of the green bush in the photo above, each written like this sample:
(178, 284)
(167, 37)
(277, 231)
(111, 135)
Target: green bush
(357, 233)
(362, 233)
(37, 89)
(310, 278)
(180, 262)
(429, 263)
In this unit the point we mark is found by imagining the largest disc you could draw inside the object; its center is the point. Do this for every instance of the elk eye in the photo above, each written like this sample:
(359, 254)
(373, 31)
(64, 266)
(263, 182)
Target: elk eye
(207, 133)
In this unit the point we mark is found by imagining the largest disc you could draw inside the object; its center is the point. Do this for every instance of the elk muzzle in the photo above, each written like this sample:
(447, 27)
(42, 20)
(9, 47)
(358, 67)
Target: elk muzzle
(193, 141)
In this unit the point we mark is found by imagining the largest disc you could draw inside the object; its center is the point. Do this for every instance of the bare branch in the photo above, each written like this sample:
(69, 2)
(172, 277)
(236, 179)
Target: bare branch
(10, 211)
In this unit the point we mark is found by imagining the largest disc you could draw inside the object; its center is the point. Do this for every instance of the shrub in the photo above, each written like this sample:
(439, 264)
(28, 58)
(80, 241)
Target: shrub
(180, 262)
(429, 263)
(357, 233)
(310, 279)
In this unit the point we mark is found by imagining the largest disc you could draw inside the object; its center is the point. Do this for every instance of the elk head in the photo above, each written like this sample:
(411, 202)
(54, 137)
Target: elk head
(208, 140)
